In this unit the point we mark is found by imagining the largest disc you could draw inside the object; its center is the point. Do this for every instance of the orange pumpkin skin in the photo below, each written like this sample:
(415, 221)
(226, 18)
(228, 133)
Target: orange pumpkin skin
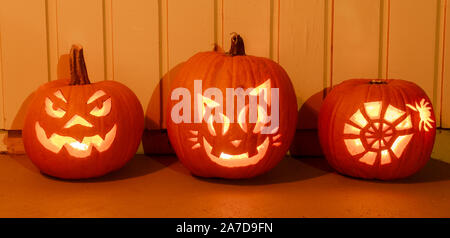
(223, 71)
(126, 113)
(65, 114)
(377, 130)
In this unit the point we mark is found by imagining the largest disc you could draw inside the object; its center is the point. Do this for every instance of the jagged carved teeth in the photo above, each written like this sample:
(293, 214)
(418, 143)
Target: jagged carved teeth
(239, 160)
(75, 148)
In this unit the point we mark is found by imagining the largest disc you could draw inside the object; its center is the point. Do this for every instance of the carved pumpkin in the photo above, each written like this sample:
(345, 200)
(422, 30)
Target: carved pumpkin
(230, 144)
(77, 129)
(377, 129)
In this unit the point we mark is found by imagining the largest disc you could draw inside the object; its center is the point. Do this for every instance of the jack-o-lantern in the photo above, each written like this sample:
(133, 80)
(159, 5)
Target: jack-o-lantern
(76, 129)
(229, 144)
(382, 129)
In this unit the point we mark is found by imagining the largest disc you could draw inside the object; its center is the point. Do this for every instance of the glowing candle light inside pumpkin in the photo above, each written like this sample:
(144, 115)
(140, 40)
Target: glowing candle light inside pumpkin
(377, 133)
(69, 131)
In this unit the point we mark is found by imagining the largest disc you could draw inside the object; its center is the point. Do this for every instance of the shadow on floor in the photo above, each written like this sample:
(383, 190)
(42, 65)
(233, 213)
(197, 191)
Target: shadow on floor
(288, 170)
(434, 170)
(317, 163)
(140, 165)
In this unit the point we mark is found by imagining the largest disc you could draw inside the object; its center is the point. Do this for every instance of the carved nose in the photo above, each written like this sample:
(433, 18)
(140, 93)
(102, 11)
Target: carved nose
(77, 120)
(236, 143)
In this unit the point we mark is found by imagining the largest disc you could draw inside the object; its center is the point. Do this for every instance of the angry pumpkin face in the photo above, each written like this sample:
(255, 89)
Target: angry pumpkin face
(78, 145)
(75, 130)
(237, 144)
(230, 139)
(84, 130)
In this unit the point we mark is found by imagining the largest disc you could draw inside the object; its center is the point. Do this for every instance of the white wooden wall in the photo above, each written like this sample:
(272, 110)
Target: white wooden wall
(137, 42)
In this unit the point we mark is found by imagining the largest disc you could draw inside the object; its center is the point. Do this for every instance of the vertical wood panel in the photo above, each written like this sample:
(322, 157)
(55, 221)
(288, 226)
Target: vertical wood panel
(136, 52)
(445, 76)
(52, 38)
(385, 18)
(275, 34)
(139, 42)
(412, 46)
(328, 44)
(24, 56)
(439, 59)
(218, 22)
(189, 30)
(109, 22)
(2, 119)
(356, 39)
(302, 51)
(81, 21)
(252, 20)
(164, 67)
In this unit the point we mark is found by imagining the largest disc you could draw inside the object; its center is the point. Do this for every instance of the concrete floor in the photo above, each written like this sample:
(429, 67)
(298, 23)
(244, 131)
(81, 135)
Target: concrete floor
(162, 187)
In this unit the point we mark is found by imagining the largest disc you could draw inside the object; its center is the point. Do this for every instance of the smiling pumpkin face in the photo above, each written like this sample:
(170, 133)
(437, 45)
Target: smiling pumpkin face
(82, 131)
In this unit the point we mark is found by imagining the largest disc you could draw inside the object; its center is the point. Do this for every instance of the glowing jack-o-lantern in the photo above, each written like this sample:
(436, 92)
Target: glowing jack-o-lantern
(226, 143)
(77, 129)
(377, 129)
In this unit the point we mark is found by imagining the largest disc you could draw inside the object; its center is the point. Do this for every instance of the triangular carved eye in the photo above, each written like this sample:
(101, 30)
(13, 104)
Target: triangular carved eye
(261, 119)
(96, 96)
(242, 118)
(59, 95)
(104, 110)
(225, 125)
(208, 102)
(264, 87)
(58, 113)
(213, 104)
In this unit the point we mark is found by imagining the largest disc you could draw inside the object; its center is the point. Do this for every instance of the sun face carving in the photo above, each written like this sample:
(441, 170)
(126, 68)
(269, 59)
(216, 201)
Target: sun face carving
(371, 136)
(80, 148)
(243, 133)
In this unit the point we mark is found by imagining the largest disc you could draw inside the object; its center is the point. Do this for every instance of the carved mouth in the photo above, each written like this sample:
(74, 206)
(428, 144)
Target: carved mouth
(75, 148)
(240, 160)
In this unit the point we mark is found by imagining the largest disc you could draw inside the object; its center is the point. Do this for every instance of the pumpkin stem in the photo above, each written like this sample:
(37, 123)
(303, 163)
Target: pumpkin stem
(237, 45)
(378, 81)
(78, 71)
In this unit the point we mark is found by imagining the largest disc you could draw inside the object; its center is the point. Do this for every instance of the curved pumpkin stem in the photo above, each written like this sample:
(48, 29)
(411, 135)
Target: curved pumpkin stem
(78, 71)
(237, 45)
